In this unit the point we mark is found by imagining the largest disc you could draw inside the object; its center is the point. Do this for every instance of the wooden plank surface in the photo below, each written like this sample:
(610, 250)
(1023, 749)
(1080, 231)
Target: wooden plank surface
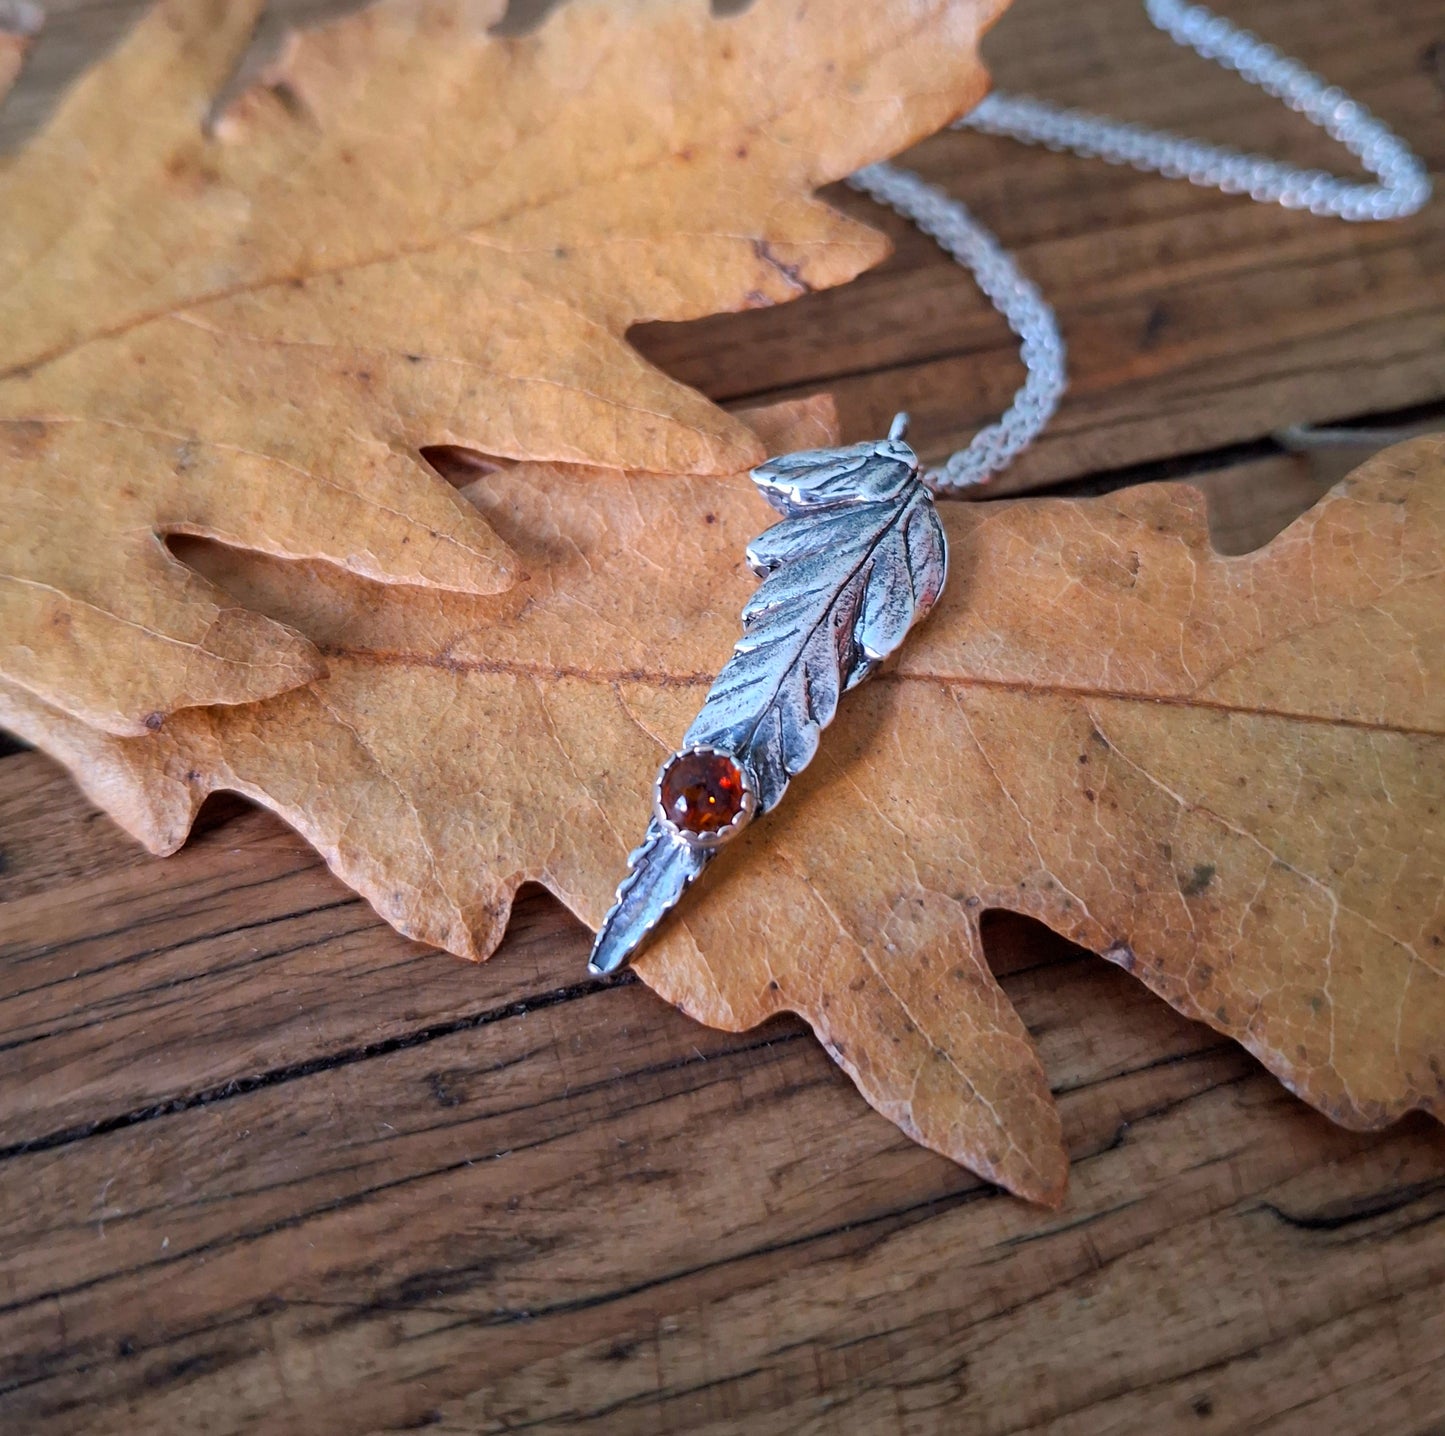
(271, 1168)
(266, 1167)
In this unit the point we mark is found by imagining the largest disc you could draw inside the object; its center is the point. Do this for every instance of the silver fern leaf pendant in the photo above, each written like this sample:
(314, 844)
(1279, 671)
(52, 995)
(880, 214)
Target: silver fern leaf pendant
(857, 560)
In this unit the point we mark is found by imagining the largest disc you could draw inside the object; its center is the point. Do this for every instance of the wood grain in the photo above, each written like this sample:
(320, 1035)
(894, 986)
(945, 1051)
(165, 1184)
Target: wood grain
(266, 1167)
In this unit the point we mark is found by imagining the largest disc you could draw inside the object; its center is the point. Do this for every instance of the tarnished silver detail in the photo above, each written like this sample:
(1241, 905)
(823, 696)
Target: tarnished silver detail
(857, 560)
(659, 871)
(1402, 189)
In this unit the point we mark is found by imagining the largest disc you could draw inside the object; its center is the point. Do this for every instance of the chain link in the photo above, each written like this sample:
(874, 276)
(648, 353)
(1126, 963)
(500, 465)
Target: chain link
(1402, 189)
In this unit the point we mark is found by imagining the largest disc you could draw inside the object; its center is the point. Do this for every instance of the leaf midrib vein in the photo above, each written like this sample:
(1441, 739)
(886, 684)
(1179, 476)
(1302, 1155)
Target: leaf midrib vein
(663, 679)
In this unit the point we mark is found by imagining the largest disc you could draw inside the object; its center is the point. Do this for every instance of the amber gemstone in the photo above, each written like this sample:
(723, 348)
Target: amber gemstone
(702, 792)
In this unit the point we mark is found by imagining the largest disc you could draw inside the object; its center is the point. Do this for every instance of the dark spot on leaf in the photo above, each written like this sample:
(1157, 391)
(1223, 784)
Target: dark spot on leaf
(24, 438)
(154, 721)
(1202, 1406)
(793, 273)
(1090, 794)
(710, 518)
(1194, 883)
(773, 984)
(1121, 953)
(288, 97)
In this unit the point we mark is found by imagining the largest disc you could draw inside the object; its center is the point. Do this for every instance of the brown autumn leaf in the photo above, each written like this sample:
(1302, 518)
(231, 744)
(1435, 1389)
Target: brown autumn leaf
(1224, 774)
(415, 233)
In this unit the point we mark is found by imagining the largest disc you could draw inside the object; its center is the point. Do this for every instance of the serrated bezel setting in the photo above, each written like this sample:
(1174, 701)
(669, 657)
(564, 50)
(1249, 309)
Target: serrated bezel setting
(747, 810)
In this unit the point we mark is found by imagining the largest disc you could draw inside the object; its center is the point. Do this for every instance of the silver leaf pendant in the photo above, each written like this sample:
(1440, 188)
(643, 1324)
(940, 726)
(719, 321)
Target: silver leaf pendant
(857, 560)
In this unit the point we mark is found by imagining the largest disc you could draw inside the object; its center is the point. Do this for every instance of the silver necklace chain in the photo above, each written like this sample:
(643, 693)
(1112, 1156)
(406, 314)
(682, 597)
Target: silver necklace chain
(1402, 187)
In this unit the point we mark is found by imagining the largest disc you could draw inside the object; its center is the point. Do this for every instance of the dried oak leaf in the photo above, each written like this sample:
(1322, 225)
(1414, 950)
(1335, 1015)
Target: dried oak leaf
(1224, 774)
(415, 233)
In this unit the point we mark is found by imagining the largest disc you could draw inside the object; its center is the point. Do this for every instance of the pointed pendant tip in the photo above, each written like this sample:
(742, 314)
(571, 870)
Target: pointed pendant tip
(898, 429)
(605, 966)
(610, 951)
